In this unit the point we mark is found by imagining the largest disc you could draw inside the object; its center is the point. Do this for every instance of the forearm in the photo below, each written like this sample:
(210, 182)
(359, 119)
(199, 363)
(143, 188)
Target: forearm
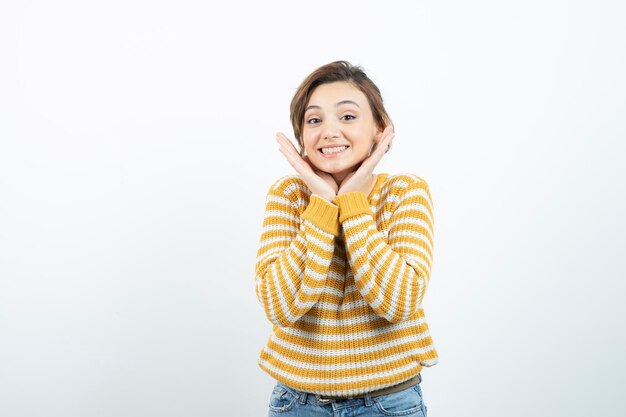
(291, 270)
(391, 272)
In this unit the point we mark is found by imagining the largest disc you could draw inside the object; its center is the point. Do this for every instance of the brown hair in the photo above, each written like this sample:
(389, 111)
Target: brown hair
(329, 73)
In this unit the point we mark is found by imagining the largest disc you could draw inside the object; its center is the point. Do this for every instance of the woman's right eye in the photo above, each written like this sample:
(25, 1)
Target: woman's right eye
(313, 120)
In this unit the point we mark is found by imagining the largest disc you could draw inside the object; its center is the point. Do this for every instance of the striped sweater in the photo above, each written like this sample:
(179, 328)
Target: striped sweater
(343, 285)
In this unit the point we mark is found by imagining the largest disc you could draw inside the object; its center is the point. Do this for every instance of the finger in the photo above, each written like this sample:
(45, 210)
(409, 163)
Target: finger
(370, 163)
(301, 166)
(388, 132)
(287, 148)
(381, 137)
(288, 152)
(285, 142)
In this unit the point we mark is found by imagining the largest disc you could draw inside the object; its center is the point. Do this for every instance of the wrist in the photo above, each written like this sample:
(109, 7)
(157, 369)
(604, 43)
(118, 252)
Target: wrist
(351, 204)
(327, 197)
(364, 186)
(323, 214)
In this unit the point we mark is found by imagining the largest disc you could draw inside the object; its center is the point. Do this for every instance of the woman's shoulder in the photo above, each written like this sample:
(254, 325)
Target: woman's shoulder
(403, 181)
(288, 185)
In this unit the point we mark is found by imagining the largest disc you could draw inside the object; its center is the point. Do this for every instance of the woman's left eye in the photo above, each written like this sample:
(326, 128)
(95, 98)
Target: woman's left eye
(349, 117)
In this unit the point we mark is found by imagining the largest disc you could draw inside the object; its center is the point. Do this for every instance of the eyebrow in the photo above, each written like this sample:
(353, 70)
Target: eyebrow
(336, 105)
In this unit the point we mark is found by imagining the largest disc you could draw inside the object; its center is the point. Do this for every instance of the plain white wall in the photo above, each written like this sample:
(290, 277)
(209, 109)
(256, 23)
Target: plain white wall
(137, 145)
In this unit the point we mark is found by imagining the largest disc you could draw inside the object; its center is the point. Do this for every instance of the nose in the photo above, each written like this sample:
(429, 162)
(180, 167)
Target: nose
(330, 131)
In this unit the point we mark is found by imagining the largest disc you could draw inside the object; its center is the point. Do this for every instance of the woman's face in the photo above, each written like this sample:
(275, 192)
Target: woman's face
(339, 129)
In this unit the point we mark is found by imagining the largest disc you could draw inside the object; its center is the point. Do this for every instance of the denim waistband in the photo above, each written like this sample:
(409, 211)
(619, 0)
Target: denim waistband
(365, 398)
(308, 397)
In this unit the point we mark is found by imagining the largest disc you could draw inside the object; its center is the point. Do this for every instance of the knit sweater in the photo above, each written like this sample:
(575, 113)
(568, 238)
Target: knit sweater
(343, 283)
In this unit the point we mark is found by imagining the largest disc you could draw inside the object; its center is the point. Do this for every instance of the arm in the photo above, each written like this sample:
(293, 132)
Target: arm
(295, 253)
(392, 276)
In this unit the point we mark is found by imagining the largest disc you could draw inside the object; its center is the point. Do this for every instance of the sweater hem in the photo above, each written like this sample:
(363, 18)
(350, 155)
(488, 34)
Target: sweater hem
(318, 390)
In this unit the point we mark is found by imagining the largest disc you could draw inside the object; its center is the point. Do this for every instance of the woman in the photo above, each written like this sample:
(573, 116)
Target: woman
(344, 260)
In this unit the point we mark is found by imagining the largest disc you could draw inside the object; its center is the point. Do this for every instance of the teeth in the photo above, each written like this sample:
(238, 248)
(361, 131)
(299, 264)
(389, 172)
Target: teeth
(334, 150)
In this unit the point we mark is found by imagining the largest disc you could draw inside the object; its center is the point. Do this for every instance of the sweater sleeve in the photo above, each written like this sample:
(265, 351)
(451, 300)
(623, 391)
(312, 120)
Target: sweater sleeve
(295, 253)
(391, 273)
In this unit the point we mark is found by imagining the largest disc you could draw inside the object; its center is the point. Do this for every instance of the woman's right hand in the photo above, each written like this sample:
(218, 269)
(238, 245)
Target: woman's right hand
(320, 183)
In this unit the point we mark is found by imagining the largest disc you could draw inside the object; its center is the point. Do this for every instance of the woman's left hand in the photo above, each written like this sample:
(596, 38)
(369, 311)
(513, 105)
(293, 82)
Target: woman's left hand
(361, 179)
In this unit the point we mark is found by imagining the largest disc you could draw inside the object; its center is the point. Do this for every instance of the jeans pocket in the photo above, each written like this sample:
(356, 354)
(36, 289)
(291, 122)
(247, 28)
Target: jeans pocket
(407, 402)
(418, 388)
(282, 400)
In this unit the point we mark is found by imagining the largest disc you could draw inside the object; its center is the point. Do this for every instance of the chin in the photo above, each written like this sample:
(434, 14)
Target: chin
(340, 170)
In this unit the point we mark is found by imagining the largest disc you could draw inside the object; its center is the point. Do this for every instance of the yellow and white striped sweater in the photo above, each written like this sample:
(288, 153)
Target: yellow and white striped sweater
(343, 285)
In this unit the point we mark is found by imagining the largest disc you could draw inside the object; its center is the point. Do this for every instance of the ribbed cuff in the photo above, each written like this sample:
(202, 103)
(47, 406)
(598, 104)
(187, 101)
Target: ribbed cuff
(352, 204)
(323, 214)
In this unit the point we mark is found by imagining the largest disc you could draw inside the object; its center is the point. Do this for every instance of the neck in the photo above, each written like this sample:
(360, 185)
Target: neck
(339, 178)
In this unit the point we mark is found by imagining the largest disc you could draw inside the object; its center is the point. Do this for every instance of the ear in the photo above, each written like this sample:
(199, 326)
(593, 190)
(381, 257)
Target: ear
(377, 135)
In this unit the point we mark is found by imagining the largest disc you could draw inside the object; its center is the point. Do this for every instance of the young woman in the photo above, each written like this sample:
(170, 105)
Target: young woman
(344, 260)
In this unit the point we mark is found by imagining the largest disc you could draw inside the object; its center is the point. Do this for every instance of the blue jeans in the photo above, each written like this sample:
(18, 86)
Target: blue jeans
(289, 402)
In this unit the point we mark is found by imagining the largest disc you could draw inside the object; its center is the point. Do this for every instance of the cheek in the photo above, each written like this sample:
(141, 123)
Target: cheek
(362, 139)
(308, 140)
(362, 133)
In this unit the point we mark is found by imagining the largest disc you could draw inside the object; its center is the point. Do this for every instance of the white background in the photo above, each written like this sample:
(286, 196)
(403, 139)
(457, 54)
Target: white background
(137, 145)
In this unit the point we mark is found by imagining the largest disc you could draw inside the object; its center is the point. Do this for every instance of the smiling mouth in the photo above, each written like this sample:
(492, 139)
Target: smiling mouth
(334, 150)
